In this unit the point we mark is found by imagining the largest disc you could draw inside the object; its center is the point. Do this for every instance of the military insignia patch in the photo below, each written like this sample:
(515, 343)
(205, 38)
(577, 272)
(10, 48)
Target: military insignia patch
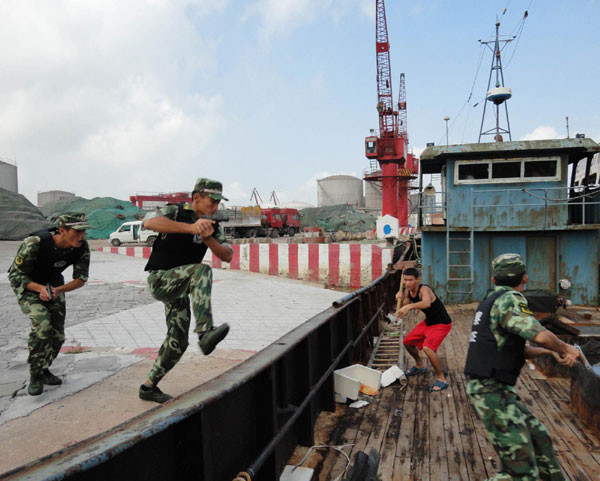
(19, 260)
(525, 308)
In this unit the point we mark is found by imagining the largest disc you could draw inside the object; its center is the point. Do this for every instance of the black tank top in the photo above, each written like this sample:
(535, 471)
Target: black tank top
(434, 314)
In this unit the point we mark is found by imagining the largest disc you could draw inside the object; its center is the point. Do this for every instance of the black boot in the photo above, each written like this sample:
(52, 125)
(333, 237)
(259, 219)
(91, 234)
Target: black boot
(50, 379)
(36, 386)
(209, 339)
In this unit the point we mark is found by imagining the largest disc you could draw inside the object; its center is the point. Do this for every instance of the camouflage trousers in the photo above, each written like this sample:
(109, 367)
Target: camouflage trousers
(521, 440)
(172, 287)
(47, 329)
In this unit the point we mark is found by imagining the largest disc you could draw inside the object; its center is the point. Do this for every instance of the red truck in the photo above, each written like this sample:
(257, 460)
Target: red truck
(256, 222)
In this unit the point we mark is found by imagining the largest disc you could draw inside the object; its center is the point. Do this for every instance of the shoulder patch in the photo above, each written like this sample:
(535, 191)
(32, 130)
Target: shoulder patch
(525, 308)
(34, 239)
(19, 260)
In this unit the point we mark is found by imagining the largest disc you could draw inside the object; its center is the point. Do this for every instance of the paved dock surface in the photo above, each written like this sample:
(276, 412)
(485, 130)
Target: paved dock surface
(113, 331)
(437, 436)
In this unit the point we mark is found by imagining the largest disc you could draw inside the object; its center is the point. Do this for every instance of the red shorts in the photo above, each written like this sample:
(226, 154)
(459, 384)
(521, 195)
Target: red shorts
(427, 336)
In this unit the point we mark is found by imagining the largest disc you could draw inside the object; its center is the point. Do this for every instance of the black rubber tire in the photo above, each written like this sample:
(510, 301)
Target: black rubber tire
(292, 231)
(115, 242)
(150, 241)
(274, 233)
(250, 233)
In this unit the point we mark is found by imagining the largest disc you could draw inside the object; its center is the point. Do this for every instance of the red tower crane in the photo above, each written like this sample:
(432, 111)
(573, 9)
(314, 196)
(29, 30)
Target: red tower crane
(390, 147)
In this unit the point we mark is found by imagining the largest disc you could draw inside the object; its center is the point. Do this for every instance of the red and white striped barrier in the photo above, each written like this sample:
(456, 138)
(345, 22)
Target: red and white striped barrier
(340, 265)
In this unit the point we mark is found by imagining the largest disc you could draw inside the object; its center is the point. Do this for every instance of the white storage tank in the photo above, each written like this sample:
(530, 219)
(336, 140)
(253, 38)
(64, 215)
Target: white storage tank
(8, 176)
(373, 196)
(340, 189)
(52, 196)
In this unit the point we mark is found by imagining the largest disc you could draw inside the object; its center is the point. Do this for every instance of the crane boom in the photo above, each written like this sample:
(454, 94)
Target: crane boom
(385, 101)
(402, 117)
(389, 148)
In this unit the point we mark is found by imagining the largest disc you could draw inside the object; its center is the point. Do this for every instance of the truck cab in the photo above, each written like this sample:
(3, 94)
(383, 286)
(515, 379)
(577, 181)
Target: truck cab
(271, 222)
(132, 232)
(291, 221)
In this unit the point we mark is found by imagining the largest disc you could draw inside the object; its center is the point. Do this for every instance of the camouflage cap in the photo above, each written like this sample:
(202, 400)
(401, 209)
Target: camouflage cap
(75, 220)
(213, 188)
(508, 265)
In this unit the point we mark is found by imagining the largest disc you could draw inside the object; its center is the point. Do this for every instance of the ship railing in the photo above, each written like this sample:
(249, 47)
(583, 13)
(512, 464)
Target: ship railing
(432, 208)
(581, 205)
(245, 422)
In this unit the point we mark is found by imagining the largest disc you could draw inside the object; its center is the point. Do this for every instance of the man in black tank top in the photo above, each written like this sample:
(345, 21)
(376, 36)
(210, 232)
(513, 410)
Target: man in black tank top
(429, 333)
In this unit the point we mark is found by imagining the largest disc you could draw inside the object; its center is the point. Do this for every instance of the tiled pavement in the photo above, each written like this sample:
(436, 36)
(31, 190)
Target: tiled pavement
(260, 309)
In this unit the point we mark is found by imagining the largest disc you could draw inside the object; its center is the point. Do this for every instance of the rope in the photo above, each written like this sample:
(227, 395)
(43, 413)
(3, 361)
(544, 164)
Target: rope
(337, 448)
(242, 476)
(520, 27)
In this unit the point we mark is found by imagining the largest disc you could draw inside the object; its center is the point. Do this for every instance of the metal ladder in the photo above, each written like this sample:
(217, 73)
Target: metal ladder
(459, 274)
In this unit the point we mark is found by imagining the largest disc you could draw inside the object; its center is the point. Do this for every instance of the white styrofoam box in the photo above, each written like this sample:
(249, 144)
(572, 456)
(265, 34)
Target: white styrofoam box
(347, 381)
(293, 473)
(340, 399)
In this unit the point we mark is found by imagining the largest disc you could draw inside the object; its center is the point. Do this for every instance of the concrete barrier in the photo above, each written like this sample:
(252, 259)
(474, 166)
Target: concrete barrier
(336, 265)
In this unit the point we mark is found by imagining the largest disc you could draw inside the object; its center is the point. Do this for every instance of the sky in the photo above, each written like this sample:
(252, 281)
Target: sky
(112, 98)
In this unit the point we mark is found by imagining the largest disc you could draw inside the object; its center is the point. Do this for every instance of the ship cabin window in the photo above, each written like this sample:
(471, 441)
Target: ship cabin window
(541, 168)
(473, 171)
(506, 171)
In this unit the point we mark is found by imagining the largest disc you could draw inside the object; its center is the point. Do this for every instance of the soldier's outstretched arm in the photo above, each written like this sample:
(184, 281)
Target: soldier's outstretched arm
(568, 355)
(533, 352)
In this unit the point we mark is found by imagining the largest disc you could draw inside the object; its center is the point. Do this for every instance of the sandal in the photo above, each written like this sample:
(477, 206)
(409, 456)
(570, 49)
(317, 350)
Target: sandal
(440, 385)
(415, 371)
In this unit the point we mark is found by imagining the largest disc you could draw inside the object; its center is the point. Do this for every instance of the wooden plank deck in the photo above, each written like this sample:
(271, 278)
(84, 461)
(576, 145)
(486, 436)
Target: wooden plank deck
(423, 436)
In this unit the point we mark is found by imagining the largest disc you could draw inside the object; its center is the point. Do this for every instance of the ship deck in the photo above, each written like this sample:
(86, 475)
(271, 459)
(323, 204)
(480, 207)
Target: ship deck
(437, 436)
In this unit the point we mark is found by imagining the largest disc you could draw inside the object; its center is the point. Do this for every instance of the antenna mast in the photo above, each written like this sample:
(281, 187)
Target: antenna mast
(499, 94)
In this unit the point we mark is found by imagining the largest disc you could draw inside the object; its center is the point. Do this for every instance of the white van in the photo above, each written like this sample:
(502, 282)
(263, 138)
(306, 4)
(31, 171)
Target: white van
(132, 232)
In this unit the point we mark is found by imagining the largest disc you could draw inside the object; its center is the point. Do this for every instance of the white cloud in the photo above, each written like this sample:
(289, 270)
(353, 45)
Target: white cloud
(237, 193)
(417, 151)
(342, 8)
(543, 132)
(278, 18)
(97, 98)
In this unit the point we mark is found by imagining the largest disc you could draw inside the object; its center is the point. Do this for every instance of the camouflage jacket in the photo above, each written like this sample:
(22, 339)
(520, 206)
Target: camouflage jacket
(24, 263)
(509, 314)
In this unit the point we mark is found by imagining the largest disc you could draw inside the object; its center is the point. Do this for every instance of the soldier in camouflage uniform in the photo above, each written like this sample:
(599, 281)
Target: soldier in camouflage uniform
(176, 272)
(36, 277)
(497, 351)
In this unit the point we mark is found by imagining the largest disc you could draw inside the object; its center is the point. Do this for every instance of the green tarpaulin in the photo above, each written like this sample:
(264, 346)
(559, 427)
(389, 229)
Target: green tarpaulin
(335, 218)
(104, 214)
(18, 216)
